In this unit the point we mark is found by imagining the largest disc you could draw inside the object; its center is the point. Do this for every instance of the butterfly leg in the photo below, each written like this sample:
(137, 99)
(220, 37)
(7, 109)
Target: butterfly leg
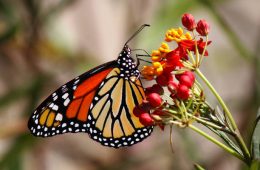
(147, 54)
(140, 59)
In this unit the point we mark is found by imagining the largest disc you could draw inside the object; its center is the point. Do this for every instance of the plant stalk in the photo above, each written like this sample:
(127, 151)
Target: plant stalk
(238, 136)
(223, 146)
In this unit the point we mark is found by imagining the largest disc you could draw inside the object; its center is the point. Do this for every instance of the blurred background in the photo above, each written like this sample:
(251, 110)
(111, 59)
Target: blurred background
(44, 44)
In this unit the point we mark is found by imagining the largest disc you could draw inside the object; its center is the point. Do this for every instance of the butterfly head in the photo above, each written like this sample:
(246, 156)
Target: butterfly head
(127, 64)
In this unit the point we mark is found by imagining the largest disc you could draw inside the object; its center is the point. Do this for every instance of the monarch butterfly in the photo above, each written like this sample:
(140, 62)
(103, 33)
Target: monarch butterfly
(99, 102)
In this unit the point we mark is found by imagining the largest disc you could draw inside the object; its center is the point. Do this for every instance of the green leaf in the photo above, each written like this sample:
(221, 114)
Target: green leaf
(255, 140)
(226, 139)
(198, 167)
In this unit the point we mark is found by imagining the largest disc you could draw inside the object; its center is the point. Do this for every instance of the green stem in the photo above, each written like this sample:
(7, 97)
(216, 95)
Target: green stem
(204, 122)
(204, 50)
(191, 57)
(226, 110)
(238, 136)
(223, 146)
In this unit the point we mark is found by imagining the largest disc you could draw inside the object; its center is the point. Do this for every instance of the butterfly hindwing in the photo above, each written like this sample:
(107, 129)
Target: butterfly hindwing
(111, 120)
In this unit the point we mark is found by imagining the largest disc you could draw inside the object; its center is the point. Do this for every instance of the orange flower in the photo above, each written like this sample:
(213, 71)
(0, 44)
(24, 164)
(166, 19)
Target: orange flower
(148, 72)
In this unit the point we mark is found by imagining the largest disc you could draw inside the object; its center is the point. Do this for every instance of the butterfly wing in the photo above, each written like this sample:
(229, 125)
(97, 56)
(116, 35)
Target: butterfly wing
(99, 102)
(66, 109)
(111, 120)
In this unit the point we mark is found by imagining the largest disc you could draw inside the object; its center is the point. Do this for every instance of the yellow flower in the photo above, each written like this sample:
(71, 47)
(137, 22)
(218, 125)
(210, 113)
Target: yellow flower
(177, 35)
(164, 48)
(158, 68)
(156, 55)
(188, 36)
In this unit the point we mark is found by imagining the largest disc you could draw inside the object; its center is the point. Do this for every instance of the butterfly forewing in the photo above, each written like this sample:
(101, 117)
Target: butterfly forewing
(99, 102)
(63, 110)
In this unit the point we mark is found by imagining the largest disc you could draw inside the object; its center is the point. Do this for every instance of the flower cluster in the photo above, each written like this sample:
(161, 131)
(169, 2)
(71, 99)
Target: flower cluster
(175, 97)
(172, 70)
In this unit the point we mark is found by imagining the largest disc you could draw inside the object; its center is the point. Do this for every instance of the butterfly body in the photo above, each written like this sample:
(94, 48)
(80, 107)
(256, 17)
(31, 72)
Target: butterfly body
(99, 102)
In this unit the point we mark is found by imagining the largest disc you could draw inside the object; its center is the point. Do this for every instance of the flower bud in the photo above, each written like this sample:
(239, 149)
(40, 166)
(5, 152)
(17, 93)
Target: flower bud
(148, 90)
(188, 22)
(164, 79)
(183, 92)
(172, 87)
(146, 119)
(186, 80)
(154, 99)
(138, 110)
(158, 89)
(190, 74)
(145, 105)
(203, 27)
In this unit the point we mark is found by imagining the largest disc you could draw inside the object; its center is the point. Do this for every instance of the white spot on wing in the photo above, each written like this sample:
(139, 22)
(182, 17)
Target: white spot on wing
(59, 117)
(66, 102)
(65, 95)
(64, 125)
(55, 107)
(76, 81)
(55, 98)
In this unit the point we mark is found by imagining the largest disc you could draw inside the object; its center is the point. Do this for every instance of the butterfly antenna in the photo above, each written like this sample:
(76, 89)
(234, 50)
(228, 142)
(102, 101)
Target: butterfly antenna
(140, 29)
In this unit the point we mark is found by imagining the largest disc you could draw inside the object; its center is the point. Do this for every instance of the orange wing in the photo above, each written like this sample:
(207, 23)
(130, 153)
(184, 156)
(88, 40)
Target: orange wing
(84, 95)
(66, 110)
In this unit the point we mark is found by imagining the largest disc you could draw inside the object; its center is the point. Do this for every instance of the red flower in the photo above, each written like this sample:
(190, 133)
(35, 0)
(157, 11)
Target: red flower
(201, 45)
(173, 61)
(188, 22)
(185, 45)
(190, 45)
(164, 78)
(203, 27)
